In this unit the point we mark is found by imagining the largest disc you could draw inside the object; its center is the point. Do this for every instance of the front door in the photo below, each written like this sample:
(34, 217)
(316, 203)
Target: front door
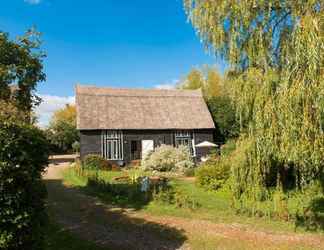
(147, 147)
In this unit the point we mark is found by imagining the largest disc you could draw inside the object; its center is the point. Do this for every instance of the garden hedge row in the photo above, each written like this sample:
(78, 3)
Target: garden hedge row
(23, 157)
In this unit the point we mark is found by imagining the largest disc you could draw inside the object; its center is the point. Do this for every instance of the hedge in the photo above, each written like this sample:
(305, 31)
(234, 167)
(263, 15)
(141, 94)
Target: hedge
(23, 157)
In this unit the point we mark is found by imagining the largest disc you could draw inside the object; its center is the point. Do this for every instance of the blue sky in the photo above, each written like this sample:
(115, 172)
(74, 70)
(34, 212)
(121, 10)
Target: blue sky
(117, 43)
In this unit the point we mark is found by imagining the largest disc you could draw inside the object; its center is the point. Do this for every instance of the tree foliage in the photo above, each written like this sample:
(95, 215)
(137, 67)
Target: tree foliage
(23, 157)
(207, 79)
(194, 80)
(21, 68)
(276, 52)
(217, 98)
(62, 130)
(223, 113)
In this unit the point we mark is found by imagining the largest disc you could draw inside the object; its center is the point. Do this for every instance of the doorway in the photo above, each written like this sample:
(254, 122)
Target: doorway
(136, 150)
(147, 147)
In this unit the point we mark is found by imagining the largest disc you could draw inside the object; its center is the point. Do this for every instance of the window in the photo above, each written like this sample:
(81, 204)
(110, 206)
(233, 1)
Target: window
(112, 144)
(185, 137)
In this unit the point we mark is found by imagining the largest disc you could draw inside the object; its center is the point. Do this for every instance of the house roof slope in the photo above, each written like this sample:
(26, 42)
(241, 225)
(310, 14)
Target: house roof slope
(112, 108)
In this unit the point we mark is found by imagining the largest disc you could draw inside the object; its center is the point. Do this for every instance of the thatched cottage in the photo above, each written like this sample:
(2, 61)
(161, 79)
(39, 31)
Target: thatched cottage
(124, 124)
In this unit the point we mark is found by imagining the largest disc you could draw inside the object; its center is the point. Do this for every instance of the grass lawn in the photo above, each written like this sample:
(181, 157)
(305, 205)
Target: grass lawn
(211, 224)
(213, 206)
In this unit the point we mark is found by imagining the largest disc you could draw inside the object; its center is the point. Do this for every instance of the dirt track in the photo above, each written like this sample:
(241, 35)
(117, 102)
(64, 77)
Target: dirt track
(116, 228)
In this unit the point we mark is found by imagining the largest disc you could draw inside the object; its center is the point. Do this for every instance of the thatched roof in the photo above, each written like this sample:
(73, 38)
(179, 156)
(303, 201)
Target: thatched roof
(110, 108)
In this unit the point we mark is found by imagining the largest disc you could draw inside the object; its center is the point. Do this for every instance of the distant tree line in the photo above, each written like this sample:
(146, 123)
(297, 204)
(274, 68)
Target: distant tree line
(62, 132)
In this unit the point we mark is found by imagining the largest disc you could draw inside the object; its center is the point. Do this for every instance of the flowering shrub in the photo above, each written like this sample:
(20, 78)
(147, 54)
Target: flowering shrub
(168, 158)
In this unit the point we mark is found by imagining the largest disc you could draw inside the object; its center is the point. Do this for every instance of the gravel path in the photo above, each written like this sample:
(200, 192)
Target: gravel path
(117, 228)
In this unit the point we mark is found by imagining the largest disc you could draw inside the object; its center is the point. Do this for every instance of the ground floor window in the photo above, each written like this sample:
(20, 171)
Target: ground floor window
(185, 137)
(112, 144)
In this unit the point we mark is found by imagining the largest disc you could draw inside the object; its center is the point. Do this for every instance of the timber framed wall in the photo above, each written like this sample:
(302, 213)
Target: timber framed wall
(91, 141)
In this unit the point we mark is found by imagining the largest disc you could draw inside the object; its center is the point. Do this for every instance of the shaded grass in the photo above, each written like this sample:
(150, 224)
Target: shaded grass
(60, 239)
(106, 225)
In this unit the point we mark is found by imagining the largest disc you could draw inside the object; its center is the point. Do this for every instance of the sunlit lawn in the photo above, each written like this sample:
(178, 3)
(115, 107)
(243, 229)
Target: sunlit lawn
(213, 206)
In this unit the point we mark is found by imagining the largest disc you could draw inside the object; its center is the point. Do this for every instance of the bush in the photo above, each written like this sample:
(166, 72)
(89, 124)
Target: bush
(190, 172)
(76, 146)
(168, 158)
(228, 147)
(95, 162)
(171, 195)
(213, 174)
(23, 157)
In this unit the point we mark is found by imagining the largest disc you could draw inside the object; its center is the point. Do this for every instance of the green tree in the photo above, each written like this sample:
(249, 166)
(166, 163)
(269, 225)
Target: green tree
(223, 113)
(194, 80)
(21, 64)
(217, 97)
(276, 52)
(23, 147)
(213, 86)
(207, 79)
(62, 130)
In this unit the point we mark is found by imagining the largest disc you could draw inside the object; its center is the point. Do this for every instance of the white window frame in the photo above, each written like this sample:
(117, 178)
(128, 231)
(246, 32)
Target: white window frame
(185, 135)
(112, 147)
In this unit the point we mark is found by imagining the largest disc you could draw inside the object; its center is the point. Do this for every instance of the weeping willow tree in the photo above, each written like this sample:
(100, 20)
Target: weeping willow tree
(276, 53)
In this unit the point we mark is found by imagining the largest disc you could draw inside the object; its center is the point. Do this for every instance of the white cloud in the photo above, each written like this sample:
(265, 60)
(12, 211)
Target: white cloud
(33, 2)
(164, 86)
(168, 85)
(49, 105)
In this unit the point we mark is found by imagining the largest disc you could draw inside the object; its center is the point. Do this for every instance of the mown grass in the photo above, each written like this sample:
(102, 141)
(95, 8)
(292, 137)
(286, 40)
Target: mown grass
(205, 242)
(213, 206)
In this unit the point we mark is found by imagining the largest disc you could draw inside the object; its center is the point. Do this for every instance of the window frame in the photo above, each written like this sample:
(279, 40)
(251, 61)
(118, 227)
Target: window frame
(112, 147)
(183, 135)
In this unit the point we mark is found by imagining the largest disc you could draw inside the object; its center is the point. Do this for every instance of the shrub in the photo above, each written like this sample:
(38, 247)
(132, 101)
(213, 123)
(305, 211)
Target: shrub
(213, 174)
(168, 158)
(171, 195)
(95, 162)
(76, 146)
(190, 172)
(23, 157)
(228, 147)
